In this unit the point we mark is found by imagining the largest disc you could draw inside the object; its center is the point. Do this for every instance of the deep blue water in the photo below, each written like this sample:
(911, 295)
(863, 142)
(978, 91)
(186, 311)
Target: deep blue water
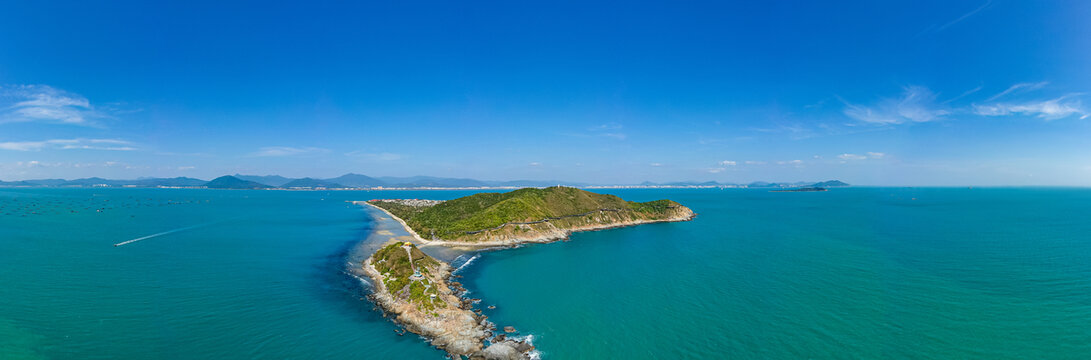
(851, 273)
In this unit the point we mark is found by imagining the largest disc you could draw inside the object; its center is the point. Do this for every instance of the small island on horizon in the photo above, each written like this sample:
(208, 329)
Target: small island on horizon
(803, 189)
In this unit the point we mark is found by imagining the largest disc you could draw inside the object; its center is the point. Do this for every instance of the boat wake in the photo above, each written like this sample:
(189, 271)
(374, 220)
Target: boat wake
(168, 232)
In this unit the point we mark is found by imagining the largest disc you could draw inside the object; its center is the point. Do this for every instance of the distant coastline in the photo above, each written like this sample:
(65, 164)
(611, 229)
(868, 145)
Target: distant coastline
(363, 182)
(230, 182)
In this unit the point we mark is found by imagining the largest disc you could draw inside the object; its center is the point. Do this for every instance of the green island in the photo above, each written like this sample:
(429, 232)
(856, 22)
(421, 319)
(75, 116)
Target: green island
(525, 215)
(415, 288)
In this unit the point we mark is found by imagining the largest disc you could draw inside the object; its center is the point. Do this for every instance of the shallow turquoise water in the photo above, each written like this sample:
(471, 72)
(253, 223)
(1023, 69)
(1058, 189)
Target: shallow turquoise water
(850, 273)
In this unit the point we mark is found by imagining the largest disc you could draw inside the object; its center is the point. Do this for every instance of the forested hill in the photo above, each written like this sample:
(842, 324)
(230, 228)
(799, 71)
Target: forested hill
(474, 214)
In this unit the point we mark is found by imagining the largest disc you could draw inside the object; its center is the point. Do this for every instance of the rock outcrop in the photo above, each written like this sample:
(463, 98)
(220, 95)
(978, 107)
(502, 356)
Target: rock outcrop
(413, 287)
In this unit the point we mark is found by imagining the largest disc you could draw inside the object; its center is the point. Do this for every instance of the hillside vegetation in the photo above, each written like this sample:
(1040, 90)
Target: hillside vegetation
(397, 263)
(487, 211)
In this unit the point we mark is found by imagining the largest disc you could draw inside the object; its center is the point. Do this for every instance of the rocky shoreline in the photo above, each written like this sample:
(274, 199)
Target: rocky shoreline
(440, 314)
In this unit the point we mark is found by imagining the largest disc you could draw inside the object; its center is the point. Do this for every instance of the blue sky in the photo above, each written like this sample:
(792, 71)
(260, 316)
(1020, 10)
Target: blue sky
(879, 93)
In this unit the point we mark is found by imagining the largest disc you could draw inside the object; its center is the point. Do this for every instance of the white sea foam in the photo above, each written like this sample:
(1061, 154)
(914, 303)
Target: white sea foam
(529, 340)
(467, 263)
(362, 279)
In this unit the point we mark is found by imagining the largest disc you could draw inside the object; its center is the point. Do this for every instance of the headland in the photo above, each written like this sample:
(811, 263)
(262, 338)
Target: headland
(417, 289)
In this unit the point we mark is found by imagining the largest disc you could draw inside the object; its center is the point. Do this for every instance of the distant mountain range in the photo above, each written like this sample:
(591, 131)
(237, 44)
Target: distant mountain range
(271, 180)
(231, 182)
(312, 183)
(831, 183)
(94, 181)
(239, 181)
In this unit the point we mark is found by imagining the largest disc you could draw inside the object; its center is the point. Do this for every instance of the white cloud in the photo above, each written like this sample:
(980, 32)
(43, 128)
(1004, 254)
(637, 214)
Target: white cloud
(727, 163)
(278, 151)
(184, 168)
(752, 162)
(618, 136)
(1054, 109)
(656, 164)
(23, 103)
(68, 144)
(716, 170)
(33, 164)
(917, 104)
(1019, 86)
(855, 157)
(790, 162)
(535, 163)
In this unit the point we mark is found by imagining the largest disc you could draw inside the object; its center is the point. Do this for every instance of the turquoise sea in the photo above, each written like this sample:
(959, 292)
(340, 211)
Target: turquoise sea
(869, 273)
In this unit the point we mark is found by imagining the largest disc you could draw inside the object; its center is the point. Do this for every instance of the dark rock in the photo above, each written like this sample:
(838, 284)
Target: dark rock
(509, 329)
(523, 347)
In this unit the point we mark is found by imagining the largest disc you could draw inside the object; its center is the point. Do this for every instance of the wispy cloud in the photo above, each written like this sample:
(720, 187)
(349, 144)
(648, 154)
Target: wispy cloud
(716, 170)
(35, 164)
(656, 164)
(790, 162)
(1019, 87)
(936, 29)
(964, 94)
(25, 103)
(607, 126)
(69, 144)
(855, 157)
(373, 156)
(609, 130)
(795, 131)
(1053, 109)
(534, 163)
(281, 151)
(728, 163)
(917, 104)
(753, 162)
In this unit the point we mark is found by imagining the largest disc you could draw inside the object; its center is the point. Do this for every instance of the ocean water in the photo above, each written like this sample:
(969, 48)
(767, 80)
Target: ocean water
(874, 273)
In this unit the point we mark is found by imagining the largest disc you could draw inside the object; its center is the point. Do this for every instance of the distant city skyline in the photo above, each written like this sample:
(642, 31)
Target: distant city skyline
(870, 93)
